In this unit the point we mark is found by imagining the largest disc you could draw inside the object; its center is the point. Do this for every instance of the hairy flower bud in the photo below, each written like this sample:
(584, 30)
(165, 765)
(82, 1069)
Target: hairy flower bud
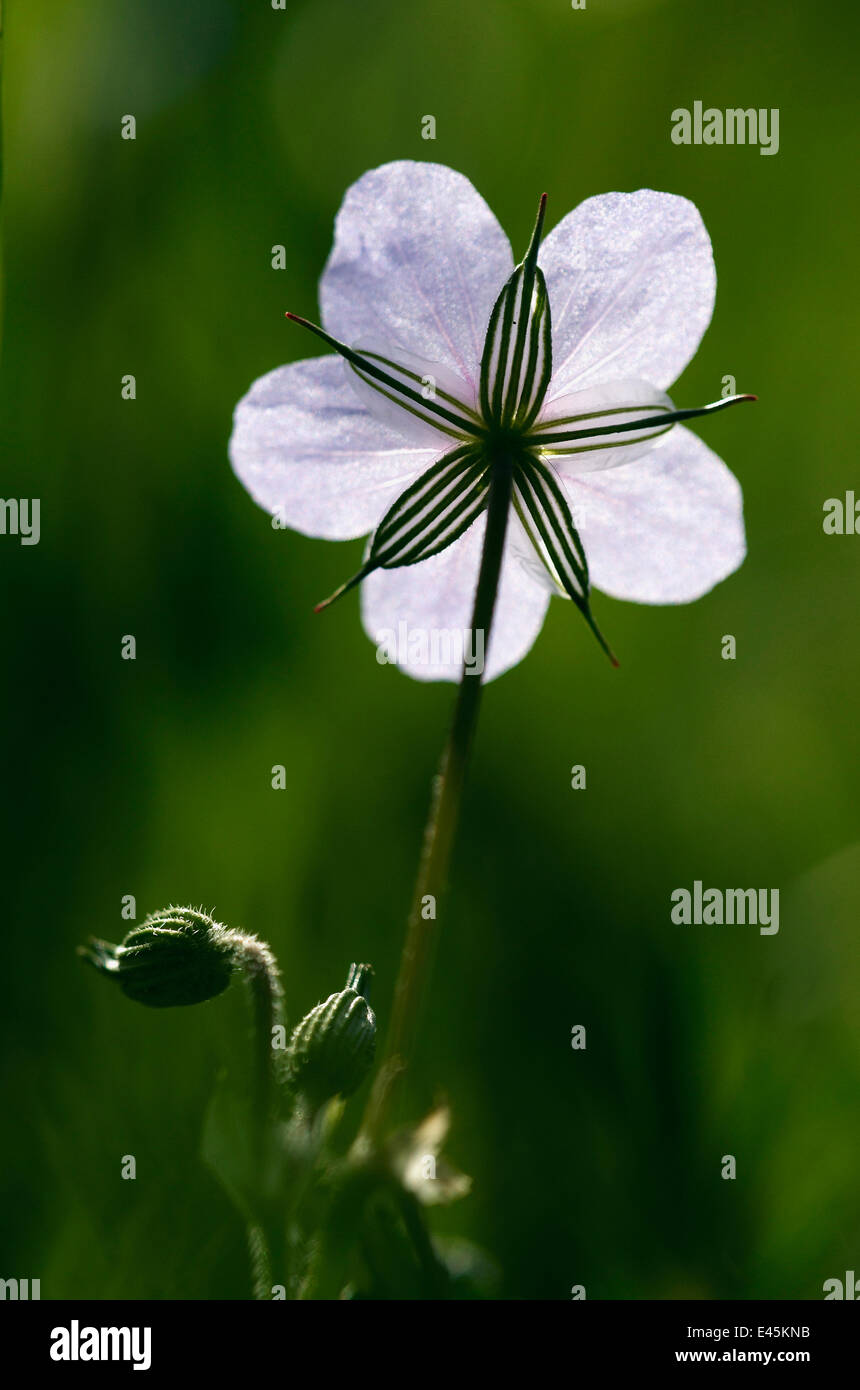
(332, 1049)
(176, 957)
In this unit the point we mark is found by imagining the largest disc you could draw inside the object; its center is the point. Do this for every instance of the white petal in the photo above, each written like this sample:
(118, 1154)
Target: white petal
(310, 453)
(619, 402)
(420, 615)
(418, 262)
(631, 287)
(665, 529)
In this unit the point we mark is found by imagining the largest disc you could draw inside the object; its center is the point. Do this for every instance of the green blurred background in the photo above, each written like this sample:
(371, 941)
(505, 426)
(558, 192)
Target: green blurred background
(152, 777)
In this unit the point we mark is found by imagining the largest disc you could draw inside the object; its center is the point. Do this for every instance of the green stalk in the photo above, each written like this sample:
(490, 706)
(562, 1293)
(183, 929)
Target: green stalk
(267, 1227)
(2, 171)
(421, 933)
(259, 970)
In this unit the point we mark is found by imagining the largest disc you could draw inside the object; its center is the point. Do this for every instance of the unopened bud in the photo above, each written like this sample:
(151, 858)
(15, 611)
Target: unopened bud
(179, 956)
(332, 1049)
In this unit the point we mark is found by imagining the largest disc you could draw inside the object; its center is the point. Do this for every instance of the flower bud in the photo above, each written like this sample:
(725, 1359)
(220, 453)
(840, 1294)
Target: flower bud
(175, 957)
(332, 1049)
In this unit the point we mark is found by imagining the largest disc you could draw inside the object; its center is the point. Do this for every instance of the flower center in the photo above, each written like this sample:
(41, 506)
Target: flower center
(508, 440)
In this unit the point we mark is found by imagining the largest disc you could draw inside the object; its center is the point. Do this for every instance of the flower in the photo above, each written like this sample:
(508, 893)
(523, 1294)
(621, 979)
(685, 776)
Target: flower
(559, 379)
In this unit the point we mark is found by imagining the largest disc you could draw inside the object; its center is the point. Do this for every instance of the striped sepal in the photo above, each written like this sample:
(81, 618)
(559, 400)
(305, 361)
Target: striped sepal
(517, 360)
(434, 511)
(429, 515)
(545, 514)
(613, 429)
(404, 387)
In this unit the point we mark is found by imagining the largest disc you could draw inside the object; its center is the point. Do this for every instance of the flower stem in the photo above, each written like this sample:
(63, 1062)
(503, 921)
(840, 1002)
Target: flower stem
(422, 931)
(259, 970)
(266, 1228)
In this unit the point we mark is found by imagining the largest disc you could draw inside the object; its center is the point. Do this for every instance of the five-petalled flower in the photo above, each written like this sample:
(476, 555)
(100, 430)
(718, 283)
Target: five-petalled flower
(459, 376)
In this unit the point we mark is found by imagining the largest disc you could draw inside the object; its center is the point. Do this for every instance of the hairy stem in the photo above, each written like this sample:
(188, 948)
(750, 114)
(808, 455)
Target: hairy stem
(266, 1230)
(260, 972)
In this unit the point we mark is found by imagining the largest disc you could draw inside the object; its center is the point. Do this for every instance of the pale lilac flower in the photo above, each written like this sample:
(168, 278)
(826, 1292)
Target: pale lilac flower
(419, 268)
